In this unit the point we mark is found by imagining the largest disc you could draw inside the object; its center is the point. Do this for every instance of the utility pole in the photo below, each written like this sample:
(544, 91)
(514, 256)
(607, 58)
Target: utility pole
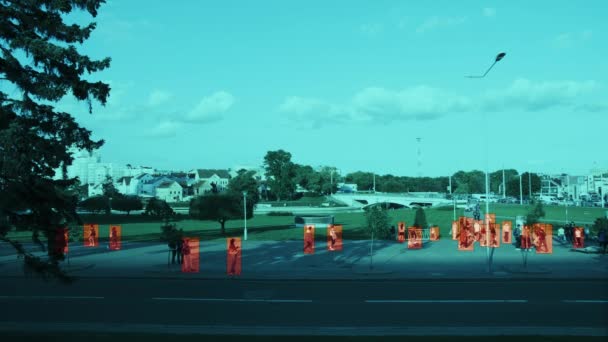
(504, 185)
(521, 194)
(530, 185)
(419, 159)
(374, 183)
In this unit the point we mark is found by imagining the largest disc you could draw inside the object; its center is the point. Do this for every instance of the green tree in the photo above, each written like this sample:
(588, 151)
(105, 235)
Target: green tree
(159, 208)
(217, 207)
(328, 180)
(535, 214)
(127, 204)
(39, 59)
(496, 181)
(420, 218)
(364, 180)
(95, 204)
(280, 172)
(245, 181)
(304, 177)
(377, 226)
(377, 222)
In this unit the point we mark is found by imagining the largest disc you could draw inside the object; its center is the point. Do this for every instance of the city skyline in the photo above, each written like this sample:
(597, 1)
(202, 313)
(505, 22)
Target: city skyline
(210, 84)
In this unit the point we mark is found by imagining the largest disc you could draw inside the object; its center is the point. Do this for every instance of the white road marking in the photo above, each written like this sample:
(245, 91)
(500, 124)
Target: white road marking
(50, 297)
(447, 301)
(234, 300)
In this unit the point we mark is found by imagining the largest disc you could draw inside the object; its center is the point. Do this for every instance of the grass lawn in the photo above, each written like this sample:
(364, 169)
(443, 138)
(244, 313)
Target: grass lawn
(262, 227)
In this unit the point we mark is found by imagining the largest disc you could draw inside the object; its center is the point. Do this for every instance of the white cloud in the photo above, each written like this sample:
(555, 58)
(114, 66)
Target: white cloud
(371, 29)
(165, 129)
(438, 22)
(158, 97)
(380, 105)
(489, 12)
(211, 108)
(570, 39)
(534, 96)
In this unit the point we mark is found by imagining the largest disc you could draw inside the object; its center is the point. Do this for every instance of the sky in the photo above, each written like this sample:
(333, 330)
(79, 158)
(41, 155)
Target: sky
(352, 84)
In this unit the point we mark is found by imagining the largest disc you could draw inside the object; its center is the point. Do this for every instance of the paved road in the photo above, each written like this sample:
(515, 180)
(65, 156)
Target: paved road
(281, 305)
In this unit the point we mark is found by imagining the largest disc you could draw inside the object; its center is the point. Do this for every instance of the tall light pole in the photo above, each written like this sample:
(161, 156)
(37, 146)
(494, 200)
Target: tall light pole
(504, 185)
(521, 193)
(487, 215)
(567, 196)
(245, 216)
(530, 185)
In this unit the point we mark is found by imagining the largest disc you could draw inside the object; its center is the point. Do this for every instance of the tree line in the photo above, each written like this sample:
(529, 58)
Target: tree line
(284, 176)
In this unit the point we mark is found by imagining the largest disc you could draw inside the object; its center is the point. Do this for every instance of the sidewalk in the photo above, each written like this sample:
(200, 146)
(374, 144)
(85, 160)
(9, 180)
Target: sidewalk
(285, 260)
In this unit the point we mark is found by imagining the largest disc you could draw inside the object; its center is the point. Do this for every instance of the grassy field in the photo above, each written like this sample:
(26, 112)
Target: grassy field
(262, 227)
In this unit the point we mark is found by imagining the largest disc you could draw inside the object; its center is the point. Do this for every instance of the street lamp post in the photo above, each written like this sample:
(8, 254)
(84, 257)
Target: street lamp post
(487, 218)
(245, 216)
(521, 194)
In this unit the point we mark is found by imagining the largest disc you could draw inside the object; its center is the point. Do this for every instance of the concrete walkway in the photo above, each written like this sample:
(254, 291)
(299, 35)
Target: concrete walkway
(285, 260)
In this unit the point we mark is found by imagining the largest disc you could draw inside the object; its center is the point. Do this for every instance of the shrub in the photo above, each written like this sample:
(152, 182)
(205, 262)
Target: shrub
(280, 213)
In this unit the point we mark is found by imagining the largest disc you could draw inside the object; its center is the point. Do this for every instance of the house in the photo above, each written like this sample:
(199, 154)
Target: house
(149, 185)
(169, 191)
(220, 177)
(140, 180)
(127, 185)
(200, 188)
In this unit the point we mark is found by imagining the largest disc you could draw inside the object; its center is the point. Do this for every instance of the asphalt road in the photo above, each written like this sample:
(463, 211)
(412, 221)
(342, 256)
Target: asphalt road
(300, 304)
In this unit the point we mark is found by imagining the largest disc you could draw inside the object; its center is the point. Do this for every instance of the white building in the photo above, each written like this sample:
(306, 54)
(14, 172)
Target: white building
(169, 191)
(83, 166)
(150, 183)
(220, 177)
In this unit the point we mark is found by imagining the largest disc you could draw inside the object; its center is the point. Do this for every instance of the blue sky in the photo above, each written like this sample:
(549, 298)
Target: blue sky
(214, 84)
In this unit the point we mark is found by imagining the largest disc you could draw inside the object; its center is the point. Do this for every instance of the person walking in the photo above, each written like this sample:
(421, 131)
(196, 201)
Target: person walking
(603, 240)
(309, 240)
(180, 249)
(233, 252)
(578, 237)
(187, 262)
(561, 234)
(334, 237)
(526, 242)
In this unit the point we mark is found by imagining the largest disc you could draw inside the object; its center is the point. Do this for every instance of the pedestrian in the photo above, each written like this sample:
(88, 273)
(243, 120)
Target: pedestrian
(334, 237)
(401, 233)
(172, 249)
(187, 262)
(309, 240)
(526, 243)
(92, 236)
(180, 249)
(603, 240)
(542, 240)
(578, 237)
(233, 251)
(561, 235)
(393, 231)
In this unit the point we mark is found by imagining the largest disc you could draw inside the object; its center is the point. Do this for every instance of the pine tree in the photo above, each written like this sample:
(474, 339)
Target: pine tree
(40, 61)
